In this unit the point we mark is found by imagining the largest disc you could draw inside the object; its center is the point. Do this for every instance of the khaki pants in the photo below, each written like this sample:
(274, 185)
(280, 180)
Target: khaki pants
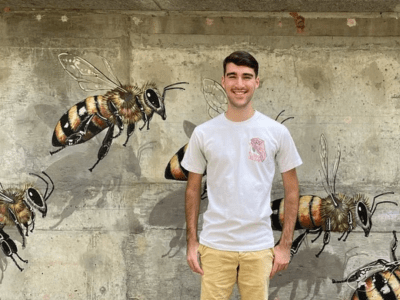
(222, 269)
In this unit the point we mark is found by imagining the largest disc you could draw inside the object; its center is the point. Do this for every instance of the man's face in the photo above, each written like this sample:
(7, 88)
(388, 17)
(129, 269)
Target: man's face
(239, 83)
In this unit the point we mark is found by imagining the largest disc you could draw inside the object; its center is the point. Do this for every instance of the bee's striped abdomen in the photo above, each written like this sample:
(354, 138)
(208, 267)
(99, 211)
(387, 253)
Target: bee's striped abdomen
(174, 169)
(308, 216)
(76, 118)
(382, 285)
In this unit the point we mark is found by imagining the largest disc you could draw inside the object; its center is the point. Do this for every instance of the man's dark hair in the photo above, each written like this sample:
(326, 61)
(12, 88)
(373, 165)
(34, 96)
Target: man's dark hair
(242, 58)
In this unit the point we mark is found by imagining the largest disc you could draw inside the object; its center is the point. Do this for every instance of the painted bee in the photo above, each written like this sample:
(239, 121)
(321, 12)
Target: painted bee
(17, 208)
(122, 105)
(378, 280)
(216, 101)
(335, 213)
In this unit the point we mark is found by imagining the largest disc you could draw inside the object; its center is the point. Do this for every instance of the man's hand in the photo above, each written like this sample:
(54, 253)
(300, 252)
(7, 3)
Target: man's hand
(192, 256)
(281, 259)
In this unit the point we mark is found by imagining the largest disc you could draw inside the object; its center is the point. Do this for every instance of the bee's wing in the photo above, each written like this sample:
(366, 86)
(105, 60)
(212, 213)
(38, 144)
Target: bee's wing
(87, 75)
(324, 164)
(215, 96)
(6, 198)
(336, 167)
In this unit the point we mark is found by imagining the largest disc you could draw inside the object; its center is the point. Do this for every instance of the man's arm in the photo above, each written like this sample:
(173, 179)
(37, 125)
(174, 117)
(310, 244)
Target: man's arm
(192, 207)
(291, 206)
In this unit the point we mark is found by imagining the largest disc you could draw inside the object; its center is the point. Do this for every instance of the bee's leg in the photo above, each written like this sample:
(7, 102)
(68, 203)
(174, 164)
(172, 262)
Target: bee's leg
(105, 147)
(296, 243)
(319, 234)
(16, 262)
(23, 260)
(327, 236)
(54, 152)
(18, 225)
(14, 250)
(149, 119)
(33, 216)
(118, 118)
(393, 246)
(350, 221)
(146, 120)
(131, 128)
(141, 109)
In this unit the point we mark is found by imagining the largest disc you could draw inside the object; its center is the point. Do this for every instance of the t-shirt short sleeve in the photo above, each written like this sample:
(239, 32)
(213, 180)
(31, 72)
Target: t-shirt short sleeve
(287, 157)
(194, 160)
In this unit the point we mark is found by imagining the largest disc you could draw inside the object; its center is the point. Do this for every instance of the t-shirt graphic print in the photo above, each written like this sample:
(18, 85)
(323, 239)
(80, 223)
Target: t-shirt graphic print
(257, 150)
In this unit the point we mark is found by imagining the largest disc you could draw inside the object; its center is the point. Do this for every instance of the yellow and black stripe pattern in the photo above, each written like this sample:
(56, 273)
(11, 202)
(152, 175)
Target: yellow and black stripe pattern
(75, 117)
(308, 215)
(383, 285)
(174, 169)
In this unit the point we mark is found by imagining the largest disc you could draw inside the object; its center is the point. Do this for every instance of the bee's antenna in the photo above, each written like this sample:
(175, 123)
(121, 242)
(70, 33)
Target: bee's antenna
(171, 87)
(287, 119)
(276, 119)
(375, 204)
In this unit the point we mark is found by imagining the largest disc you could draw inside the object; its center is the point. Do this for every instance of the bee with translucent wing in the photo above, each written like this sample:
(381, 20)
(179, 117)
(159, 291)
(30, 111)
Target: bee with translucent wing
(121, 105)
(335, 213)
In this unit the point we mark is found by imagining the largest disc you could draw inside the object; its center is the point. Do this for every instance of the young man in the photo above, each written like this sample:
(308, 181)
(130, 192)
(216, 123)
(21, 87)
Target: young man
(239, 149)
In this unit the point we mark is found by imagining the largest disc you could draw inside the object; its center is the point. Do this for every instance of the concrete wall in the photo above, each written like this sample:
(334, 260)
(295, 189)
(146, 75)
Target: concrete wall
(119, 232)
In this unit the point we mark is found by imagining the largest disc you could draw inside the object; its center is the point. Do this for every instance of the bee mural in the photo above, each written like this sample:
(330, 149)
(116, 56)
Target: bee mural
(378, 280)
(17, 206)
(121, 105)
(216, 101)
(335, 213)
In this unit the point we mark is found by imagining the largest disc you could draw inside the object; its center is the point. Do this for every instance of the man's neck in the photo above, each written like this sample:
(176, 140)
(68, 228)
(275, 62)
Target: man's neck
(239, 114)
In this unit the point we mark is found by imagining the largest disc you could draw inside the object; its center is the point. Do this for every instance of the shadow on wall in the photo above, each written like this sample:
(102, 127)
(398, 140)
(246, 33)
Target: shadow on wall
(169, 213)
(76, 185)
(306, 270)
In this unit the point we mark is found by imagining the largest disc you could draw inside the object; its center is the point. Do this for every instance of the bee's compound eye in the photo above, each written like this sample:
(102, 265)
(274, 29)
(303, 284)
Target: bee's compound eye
(152, 96)
(35, 197)
(362, 213)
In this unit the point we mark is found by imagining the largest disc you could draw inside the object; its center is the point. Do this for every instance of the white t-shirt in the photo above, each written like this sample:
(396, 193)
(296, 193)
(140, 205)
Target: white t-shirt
(240, 162)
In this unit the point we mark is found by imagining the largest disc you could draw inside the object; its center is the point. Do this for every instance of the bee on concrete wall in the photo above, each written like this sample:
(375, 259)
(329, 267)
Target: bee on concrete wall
(121, 105)
(17, 206)
(216, 102)
(335, 213)
(378, 280)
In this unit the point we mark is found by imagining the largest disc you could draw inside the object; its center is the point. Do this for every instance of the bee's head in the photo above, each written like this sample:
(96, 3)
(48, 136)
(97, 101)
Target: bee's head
(36, 200)
(363, 213)
(155, 101)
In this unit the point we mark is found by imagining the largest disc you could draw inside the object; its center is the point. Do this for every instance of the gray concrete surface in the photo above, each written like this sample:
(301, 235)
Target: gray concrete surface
(118, 233)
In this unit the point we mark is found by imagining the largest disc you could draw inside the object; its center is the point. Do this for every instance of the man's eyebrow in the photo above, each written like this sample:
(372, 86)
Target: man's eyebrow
(244, 74)
(248, 74)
